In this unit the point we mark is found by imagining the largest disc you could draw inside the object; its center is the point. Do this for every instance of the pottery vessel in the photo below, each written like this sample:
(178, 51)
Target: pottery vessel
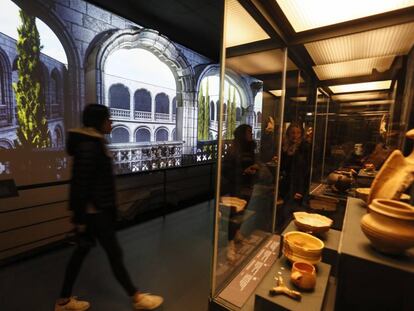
(389, 225)
(303, 275)
(362, 193)
(395, 176)
(300, 246)
(312, 223)
(340, 180)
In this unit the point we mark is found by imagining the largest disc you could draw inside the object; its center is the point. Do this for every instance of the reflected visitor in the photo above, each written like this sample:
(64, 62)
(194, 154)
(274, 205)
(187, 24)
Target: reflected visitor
(92, 201)
(239, 170)
(294, 173)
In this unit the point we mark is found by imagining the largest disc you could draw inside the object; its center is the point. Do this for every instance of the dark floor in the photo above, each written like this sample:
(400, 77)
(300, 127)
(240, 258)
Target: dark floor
(169, 256)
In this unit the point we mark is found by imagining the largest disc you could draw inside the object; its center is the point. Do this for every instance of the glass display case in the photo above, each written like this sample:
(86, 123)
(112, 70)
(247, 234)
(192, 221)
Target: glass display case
(250, 129)
(296, 138)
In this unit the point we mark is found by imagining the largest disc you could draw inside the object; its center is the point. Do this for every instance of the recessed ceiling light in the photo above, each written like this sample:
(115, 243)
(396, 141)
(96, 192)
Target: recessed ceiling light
(241, 28)
(305, 14)
(359, 87)
(277, 93)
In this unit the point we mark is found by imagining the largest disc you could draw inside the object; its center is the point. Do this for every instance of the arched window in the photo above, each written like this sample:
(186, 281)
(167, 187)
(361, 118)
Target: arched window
(55, 87)
(119, 135)
(142, 135)
(161, 135)
(217, 109)
(162, 103)
(142, 100)
(174, 105)
(238, 114)
(212, 114)
(119, 96)
(259, 117)
(174, 134)
(58, 137)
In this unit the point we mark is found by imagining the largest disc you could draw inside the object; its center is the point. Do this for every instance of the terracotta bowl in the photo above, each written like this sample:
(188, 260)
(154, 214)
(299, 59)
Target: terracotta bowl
(312, 223)
(363, 193)
(389, 225)
(300, 246)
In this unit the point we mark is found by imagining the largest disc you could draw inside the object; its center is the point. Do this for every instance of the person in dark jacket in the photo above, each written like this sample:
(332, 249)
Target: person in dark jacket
(239, 171)
(93, 202)
(294, 171)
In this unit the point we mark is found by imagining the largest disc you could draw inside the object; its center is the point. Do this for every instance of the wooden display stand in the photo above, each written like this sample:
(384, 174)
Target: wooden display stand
(367, 279)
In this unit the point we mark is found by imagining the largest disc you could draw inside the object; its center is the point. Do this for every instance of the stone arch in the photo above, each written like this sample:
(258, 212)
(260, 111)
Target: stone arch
(120, 134)
(58, 134)
(238, 114)
(161, 134)
(212, 111)
(6, 144)
(6, 95)
(119, 96)
(241, 85)
(174, 105)
(143, 134)
(142, 100)
(45, 11)
(147, 39)
(56, 87)
(162, 103)
(259, 117)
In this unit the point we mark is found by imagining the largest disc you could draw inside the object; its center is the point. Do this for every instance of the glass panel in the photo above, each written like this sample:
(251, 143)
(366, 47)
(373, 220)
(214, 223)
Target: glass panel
(248, 138)
(295, 164)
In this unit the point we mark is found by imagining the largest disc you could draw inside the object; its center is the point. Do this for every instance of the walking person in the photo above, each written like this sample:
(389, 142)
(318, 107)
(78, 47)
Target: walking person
(92, 200)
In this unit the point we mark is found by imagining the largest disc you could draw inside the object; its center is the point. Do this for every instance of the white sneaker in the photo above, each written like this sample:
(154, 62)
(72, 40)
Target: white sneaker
(73, 305)
(147, 302)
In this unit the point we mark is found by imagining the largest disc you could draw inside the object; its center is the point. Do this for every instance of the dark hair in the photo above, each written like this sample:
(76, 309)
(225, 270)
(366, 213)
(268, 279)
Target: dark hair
(240, 143)
(94, 115)
(295, 124)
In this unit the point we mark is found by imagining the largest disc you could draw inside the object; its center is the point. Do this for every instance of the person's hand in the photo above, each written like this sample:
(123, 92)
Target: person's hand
(270, 125)
(298, 196)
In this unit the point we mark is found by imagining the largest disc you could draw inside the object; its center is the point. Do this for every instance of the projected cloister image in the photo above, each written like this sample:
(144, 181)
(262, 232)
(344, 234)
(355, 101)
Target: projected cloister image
(163, 97)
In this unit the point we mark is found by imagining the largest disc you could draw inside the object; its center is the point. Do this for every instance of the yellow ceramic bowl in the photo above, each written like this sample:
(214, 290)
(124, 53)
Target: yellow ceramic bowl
(300, 246)
(311, 222)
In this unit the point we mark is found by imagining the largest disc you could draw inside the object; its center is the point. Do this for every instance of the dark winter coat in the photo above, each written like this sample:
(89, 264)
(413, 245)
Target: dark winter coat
(295, 172)
(92, 185)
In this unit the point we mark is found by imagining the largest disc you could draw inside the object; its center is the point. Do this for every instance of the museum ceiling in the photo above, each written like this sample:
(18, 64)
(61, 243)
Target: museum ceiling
(339, 43)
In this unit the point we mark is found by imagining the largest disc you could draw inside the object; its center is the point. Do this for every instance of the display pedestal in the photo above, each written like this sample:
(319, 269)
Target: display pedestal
(330, 239)
(311, 300)
(367, 279)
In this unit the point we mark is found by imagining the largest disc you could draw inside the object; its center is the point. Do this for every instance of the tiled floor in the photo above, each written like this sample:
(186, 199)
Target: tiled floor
(169, 256)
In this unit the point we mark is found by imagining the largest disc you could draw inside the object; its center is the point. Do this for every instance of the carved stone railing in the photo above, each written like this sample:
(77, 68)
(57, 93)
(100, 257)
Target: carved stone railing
(136, 157)
(207, 150)
(162, 116)
(120, 113)
(142, 115)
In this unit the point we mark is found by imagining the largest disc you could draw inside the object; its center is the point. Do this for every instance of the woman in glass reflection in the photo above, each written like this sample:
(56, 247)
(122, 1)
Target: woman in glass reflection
(92, 200)
(239, 171)
(294, 172)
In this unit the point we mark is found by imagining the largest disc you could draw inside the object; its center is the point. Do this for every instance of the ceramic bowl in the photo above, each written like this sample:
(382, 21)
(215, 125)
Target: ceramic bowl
(312, 223)
(362, 193)
(300, 246)
(389, 225)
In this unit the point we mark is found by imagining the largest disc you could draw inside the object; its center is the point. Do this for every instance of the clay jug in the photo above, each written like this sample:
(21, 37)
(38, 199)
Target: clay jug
(389, 225)
(303, 275)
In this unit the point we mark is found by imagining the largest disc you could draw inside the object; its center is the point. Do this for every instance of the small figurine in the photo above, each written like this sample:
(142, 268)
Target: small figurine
(281, 288)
